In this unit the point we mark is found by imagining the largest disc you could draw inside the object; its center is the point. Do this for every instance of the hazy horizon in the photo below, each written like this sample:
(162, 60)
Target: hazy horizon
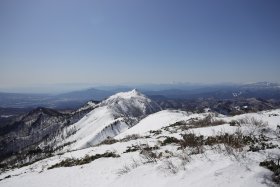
(138, 42)
(69, 87)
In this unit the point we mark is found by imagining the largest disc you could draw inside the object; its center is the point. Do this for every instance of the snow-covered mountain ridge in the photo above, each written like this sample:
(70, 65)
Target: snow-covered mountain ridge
(160, 147)
(132, 103)
(109, 118)
(154, 157)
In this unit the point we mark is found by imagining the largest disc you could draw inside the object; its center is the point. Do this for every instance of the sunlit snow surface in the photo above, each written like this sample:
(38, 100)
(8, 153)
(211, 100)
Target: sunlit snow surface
(209, 169)
(111, 117)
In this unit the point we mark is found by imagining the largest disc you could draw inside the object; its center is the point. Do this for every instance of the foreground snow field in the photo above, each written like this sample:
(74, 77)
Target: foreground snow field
(157, 155)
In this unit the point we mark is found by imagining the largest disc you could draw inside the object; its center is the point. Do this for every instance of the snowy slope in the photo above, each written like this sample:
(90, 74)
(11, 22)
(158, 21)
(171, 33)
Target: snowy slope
(89, 105)
(109, 118)
(210, 168)
(157, 121)
(219, 171)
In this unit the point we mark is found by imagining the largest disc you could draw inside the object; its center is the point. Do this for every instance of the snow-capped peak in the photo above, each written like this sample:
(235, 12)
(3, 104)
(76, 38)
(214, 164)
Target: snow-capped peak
(131, 103)
(127, 95)
(111, 117)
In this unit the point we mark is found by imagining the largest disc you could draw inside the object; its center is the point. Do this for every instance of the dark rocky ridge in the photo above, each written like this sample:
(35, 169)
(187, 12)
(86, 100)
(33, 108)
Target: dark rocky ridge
(36, 130)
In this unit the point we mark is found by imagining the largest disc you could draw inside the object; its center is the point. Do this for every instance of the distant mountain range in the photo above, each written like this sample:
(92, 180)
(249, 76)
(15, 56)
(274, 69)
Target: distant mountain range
(71, 100)
(75, 99)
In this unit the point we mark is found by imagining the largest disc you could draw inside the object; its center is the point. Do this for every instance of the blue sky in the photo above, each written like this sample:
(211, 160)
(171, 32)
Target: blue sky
(138, 41)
